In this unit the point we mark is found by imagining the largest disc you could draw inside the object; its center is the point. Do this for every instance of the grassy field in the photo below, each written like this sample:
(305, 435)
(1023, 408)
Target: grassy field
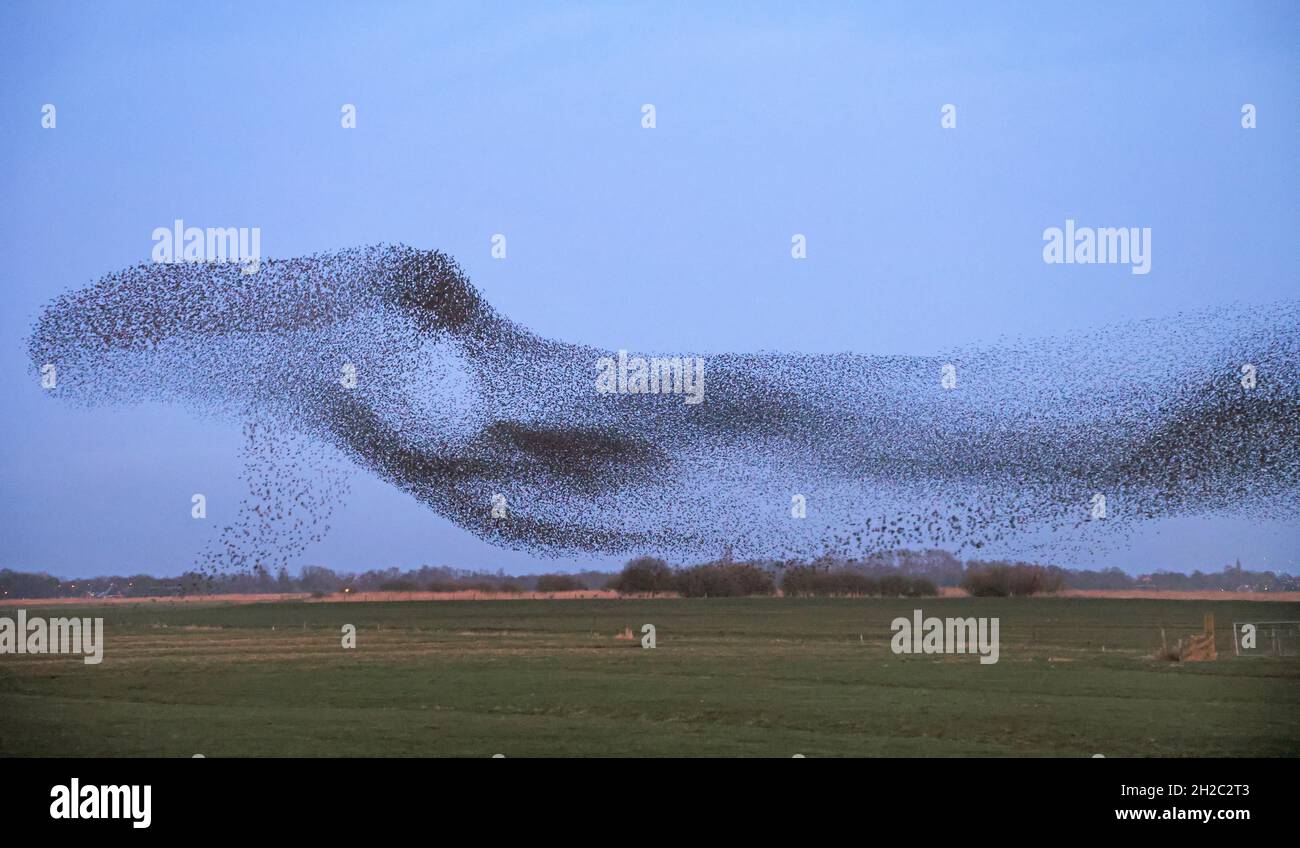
(747, 677)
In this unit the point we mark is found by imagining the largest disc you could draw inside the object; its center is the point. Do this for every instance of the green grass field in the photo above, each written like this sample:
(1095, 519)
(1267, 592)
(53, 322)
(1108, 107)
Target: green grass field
(744, 677)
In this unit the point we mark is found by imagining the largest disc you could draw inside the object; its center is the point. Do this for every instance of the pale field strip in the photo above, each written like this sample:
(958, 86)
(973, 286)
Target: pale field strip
(199, 646)
(602, 594)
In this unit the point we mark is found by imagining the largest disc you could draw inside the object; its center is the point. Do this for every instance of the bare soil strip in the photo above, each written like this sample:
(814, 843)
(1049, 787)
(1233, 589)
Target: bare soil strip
(594, 594)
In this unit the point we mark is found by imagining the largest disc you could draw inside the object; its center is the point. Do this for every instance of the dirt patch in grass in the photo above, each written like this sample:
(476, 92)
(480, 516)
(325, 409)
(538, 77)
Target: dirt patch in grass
(1156, 595)
(170, 599)
(582, 594)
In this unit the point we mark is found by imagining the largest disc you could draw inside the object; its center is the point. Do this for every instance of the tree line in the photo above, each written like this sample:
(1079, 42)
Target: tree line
(892, 574)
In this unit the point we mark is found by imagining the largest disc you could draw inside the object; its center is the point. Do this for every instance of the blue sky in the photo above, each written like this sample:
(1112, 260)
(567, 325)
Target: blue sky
(524, 119)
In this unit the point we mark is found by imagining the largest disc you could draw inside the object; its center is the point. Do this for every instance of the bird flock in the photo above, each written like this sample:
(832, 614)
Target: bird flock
(387, 359)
